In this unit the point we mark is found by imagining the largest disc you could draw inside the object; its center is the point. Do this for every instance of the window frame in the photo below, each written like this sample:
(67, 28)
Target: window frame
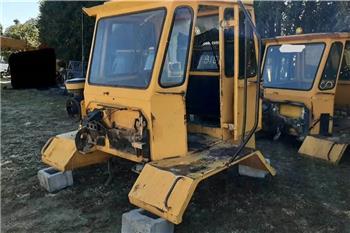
(317, 70)
(339, 66)
(343, 60)
(167, 47)
(227, 74)
(217, 55)
(240, 60)
(156, 50)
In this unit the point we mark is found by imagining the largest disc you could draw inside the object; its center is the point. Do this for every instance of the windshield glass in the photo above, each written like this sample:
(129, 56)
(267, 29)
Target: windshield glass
(292, 66)
(125, 49)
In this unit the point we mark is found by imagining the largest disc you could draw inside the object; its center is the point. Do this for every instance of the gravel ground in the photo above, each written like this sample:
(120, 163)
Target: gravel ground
(305, 196)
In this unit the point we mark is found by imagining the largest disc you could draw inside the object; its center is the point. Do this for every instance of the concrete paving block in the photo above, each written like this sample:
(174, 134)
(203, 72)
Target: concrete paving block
(140, 221)
(53, 180)
(252, 172)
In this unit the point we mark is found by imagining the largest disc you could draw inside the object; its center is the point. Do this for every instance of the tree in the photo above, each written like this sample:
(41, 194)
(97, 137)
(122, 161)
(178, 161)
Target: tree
(269, 17)
(1, 33)
(284, 17)
(60, 28)
(27, 31)
(60, 22)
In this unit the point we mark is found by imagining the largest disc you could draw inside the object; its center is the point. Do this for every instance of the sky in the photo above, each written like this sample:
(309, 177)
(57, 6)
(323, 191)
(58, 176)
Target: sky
(17, 9)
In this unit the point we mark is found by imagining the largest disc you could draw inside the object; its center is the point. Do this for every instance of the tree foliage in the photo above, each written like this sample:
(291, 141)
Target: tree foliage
(284, 17)
(60, 22)
(27, 31)
(60, 25)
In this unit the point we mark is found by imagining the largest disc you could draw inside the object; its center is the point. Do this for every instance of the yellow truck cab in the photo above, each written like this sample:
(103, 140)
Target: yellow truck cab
(165, 87)
(306, 79)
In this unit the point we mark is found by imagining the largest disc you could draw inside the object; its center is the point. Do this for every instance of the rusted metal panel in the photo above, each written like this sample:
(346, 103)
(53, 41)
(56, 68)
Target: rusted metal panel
(165, 187)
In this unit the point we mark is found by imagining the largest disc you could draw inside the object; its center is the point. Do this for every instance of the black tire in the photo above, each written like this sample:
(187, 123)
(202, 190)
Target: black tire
(73, 108)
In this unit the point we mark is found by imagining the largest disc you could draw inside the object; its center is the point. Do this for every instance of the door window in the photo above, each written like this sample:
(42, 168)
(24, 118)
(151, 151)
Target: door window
(345, 68)
(205, 55)
(174, 67)
(329, 75)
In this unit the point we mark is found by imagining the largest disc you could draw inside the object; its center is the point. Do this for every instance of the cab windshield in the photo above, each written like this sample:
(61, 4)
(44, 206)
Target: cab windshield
(125, 49)
(290, 66)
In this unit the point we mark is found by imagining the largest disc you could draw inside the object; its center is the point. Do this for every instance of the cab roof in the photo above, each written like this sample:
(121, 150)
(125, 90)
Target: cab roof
(121, 4)
(307, 37)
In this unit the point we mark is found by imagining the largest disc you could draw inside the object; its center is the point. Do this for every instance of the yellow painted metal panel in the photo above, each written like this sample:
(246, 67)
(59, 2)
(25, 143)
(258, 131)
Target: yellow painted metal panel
(323, 148)
(14, 44)
(226, 83)
(165, 187)
(60, 153)
(205, 73)
(156, 189)
(169, 133)
(342, 95)
(238, 109)
(74, 86)
(122, 118)
(291, 110)
(322, 104)
(196, 128)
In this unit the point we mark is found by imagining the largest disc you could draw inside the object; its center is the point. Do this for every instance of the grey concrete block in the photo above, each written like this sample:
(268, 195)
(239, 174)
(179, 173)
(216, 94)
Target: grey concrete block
(252, 172)
(140, 221)
(53, 180)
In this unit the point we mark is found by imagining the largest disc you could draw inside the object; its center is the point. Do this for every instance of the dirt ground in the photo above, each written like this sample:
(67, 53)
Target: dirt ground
(305, 196)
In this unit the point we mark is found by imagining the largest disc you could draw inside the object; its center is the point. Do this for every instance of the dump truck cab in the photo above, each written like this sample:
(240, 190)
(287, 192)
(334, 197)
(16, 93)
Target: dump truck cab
(306, 81)
(167, 87)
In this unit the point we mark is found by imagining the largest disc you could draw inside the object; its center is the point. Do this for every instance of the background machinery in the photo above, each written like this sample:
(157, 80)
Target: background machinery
(307, 91)
(8, 43)
(173, 86)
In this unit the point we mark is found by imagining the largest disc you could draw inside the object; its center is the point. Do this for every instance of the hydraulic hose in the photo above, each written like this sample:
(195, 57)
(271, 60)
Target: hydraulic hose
(245, 92)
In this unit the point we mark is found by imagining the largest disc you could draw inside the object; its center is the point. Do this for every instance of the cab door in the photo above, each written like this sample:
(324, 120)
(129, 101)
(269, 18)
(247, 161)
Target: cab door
(245, 90)
(342, 93)
(323, 101)
(228, 26)
(168, 113)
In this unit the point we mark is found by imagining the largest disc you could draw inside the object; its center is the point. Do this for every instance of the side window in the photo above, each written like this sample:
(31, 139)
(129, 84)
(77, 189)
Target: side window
(229, 44)
(205, 54)
(174, 66)
(345, 68)
(251, 67)
(329, 75)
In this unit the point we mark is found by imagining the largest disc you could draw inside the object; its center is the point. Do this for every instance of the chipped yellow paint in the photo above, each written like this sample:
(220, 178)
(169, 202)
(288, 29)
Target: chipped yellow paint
(165, 187)
(60, 153)
(291, 111)
(164, 110)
